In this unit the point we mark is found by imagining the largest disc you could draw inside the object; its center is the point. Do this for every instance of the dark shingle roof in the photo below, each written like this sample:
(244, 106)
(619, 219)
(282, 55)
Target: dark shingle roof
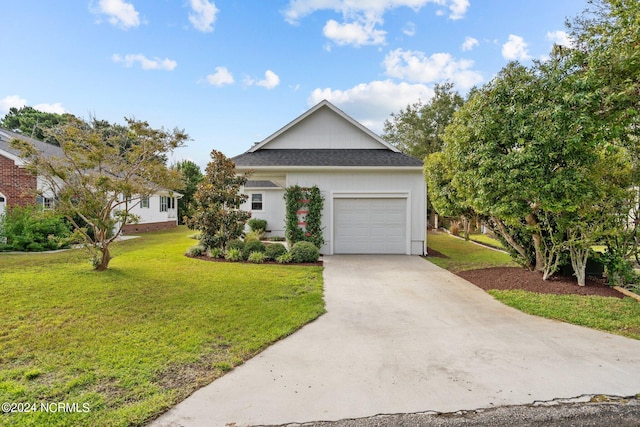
(252, 183)
(44, 147)
(325, 157)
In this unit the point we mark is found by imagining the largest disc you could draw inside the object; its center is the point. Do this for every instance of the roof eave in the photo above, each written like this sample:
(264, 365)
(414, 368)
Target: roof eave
(328, 168)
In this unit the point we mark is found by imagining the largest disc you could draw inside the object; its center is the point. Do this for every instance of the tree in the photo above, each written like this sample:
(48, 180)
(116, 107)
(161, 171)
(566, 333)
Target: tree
(218, 216)
(417, 130)
(33, 123)
(96, 183)
(191, 177)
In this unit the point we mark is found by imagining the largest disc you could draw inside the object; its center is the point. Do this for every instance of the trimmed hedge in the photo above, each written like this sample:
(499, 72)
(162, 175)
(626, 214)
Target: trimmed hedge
(304, 252)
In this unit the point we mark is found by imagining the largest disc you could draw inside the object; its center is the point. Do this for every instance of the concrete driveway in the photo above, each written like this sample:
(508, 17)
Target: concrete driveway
(402, 335)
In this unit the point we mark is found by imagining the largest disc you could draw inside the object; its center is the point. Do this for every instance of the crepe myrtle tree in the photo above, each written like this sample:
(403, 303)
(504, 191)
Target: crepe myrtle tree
(98, 179)
(217, 213)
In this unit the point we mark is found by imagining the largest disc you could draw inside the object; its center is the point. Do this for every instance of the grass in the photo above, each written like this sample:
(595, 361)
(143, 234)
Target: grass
(486, 240)
(614, 315)
(463, 255)
(135, 340)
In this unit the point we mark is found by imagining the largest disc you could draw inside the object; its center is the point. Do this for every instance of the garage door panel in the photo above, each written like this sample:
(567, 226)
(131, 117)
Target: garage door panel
(370, 226)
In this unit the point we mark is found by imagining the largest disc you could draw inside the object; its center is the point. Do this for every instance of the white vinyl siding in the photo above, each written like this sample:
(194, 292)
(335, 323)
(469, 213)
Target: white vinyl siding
(370, 226)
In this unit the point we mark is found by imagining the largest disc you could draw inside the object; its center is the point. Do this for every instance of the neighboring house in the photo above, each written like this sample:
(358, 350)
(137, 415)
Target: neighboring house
(374, 195)
(19, 187)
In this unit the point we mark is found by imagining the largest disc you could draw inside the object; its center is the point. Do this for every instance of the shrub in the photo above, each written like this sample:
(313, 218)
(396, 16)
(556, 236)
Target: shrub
(277, 239)
(216, 253)
(284, 258)
(253, 246)
(256, 257)
(235, 244)
(233, 254)
(257, 224)
(274, 250)
(454, 228)
(195, 251)
(31, 229)
(304, 252)
(253, 235)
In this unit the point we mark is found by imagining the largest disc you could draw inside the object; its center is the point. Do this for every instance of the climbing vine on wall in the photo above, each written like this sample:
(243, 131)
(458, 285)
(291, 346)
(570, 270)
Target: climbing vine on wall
(304, 215)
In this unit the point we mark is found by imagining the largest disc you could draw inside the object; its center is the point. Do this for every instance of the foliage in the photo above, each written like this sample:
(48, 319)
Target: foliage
(253, 246)
(304, 252)
(31, 229)
(256, 257)
(235, 244)
(149, 355)
(285, 258)
(34, 123)
(102, 174)
(218, 215)
(256, 224)
(191, 177)
(417, 130)
(304, 215)
(233, 254)
(274, 250)
(253, 235)
(216, 253)
(196, 250)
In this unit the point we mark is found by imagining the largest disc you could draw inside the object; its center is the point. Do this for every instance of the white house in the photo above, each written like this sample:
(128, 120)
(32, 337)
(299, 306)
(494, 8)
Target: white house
(19, 187)
(374, 195)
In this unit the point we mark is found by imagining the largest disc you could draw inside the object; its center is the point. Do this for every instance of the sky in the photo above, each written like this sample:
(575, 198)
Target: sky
(231, 73)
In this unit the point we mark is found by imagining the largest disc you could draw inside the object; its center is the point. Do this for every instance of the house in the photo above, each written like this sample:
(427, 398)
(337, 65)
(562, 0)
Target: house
(19, 187)
(374, 195)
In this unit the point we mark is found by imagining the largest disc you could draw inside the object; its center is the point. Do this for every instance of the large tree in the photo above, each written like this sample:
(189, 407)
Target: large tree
(33, 123)
(191, 177)
(218, 216)
(417, 130)
(96, 182)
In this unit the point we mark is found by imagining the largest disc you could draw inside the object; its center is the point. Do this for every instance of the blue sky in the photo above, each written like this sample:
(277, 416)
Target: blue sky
(233, 72)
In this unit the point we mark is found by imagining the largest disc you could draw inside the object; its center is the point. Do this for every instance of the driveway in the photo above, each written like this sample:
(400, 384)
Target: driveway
(402, 335)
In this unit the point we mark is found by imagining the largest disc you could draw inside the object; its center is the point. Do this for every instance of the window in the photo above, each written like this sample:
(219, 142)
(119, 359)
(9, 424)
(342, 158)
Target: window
(144, 202)
(256, 202)
(163, 203)
(47, 203)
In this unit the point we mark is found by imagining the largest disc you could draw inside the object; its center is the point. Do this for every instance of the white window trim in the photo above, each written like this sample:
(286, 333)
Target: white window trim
(261, 201)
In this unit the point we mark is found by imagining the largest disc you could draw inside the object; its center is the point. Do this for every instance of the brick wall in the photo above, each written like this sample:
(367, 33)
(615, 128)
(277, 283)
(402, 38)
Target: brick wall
(16, 184)
(152, 226)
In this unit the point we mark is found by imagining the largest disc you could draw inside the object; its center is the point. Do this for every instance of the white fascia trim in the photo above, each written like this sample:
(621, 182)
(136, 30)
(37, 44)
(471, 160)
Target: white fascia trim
(330, 168)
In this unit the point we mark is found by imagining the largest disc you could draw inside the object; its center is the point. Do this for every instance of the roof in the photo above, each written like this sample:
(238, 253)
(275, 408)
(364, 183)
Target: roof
(311, 111)
(325, 157)
(252, 183)
(43, 147)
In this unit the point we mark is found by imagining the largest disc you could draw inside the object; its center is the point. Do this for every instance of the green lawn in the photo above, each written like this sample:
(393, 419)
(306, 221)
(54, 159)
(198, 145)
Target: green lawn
(486, 240)
(133, 341)
(618, 316)
(463, 255)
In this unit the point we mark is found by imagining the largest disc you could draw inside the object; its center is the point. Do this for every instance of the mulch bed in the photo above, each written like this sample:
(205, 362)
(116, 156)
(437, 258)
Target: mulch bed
(206, 258)
(509, 278)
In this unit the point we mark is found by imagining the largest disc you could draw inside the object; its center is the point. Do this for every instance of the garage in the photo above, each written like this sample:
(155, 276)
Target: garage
(370, 225)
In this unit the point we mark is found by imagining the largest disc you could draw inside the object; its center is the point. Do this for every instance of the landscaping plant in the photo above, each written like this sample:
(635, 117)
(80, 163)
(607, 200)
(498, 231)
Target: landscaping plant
(304, 252)
(274, 250)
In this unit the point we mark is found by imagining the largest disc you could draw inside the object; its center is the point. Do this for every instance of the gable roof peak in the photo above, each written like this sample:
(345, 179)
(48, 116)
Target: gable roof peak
(322, 104)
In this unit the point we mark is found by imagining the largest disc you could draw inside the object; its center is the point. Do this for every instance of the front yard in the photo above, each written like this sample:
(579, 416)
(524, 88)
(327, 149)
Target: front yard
(127, 344)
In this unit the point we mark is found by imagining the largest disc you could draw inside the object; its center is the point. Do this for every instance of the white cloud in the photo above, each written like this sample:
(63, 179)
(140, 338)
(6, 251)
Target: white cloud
(119, 13)
(409, 29)
(146, 63)
(458, 8)
(221, 77)
(353, 33)
(416, 67)
(203, 15)
(469, 43)
(560, 38)
(270, 80)
(56, 108)
(372, 103)
(515, 49)
(11, 101)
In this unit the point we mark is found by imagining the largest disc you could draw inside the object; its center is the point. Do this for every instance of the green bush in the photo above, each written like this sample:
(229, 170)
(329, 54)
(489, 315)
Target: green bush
(256, 257)
(284, 258)
(253, 246)
(304, 252)
(216, 253)
(31, 229)
(235, 244)
(195, 251)
(253, 235)
(233, 254)
(256, 224)
(277, 239)
(274, 250)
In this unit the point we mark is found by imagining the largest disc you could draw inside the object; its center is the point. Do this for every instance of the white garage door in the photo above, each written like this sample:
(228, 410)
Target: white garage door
(370, 226)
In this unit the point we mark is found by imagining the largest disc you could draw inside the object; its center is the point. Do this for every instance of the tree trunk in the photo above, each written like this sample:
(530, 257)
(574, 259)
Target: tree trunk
(104, 259)
(537, 242)
(466, 224)
(502, 229)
